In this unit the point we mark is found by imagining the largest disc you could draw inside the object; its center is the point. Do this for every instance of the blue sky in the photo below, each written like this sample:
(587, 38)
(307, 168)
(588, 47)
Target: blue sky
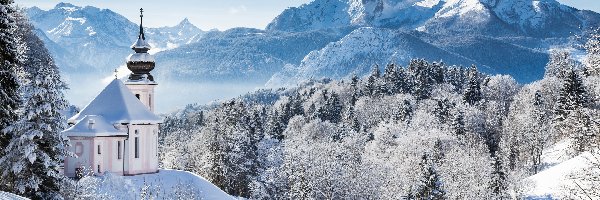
(209, 14)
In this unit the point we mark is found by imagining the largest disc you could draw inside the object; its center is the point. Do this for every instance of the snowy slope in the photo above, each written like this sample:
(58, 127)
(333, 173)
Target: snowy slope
(357, 52)
(167, 184)
(169, 178)
(10, 196)
(240, 55)
(556, 178)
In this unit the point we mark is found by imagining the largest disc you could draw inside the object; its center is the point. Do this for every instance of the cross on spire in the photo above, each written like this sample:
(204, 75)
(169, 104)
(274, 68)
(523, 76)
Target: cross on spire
(116, 73)
(141, 36)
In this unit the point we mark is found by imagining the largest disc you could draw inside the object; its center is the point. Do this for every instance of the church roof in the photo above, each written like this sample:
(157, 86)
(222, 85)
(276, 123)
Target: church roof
(117, 105)
(93, 126)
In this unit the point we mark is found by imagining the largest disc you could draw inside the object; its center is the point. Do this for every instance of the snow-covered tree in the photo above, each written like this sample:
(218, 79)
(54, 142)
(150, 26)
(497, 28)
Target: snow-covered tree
(10, 63)
(592, 60)
(430, 186)
(472, 92)
(37, 149)
(559, 65)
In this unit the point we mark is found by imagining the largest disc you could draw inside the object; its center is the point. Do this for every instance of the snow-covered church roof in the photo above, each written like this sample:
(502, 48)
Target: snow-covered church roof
(94, 126)
(117, 105)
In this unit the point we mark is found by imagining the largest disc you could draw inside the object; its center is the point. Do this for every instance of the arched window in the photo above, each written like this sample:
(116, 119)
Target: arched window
(137, 95)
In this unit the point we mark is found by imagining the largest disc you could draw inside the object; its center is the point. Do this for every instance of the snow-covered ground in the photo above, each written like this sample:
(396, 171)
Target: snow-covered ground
(10, 196)
(167, 184)
(556, 178)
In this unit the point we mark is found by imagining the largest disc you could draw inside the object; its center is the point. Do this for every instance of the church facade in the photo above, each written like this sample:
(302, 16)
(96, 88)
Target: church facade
(117, 132)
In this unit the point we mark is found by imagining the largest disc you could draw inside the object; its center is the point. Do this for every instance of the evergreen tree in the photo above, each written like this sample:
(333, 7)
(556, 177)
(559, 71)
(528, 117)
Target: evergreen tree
(455, 76)
(350, 119)
(472, 93)
(10, 61)
(372, 84)
(430, 184)
(458, 123)
(573, 117)
(573, 96)
(37, 149)
(332, 109)
(390, 79)
(442, 110)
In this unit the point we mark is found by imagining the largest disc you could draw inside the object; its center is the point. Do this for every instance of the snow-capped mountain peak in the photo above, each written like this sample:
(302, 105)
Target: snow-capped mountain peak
(185, 22)
(321, 14)
(66, 6)
(462, 8)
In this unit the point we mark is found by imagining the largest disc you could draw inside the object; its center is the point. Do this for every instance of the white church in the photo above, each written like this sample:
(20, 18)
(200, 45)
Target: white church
(117, 132)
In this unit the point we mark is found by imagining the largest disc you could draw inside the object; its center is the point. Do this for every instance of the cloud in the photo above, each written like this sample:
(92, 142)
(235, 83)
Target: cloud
(238, 9)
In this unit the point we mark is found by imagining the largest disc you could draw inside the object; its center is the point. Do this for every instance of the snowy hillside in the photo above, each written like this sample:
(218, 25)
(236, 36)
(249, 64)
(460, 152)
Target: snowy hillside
(359, 50)
(240, 55)
(9, 196)
(560, 179)
(169, 184)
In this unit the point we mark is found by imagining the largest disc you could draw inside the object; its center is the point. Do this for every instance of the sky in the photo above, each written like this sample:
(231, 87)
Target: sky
(206, 14)
(210, 14)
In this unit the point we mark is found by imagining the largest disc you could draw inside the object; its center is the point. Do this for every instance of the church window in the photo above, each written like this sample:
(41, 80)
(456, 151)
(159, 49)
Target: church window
(137, 147)
(119, 150)
(149, 100)
(137, 95)
(99, 169)
(99, 150)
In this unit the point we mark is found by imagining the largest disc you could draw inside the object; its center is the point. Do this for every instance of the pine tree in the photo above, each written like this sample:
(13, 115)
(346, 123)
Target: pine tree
(573, 95)
(350, 119)
(10, 61)
(430, 184)
(472, 93)
(572, 114)
(458, 123)
(37, 149)
(372, 84)
(390, 79)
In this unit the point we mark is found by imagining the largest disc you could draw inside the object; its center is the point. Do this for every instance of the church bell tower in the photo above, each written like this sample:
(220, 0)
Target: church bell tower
(140, 81)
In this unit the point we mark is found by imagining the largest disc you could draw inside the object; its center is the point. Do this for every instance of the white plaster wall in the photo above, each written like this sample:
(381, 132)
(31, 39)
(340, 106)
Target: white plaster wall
(108, 159)
(81, 146)
(148, 158)
(146, 93)
(88, 157)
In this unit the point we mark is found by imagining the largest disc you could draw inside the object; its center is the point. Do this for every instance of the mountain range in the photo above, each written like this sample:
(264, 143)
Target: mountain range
(323, 38)
(98, 39)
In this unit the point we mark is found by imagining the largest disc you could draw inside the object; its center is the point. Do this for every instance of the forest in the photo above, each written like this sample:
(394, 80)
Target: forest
(421, 131)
